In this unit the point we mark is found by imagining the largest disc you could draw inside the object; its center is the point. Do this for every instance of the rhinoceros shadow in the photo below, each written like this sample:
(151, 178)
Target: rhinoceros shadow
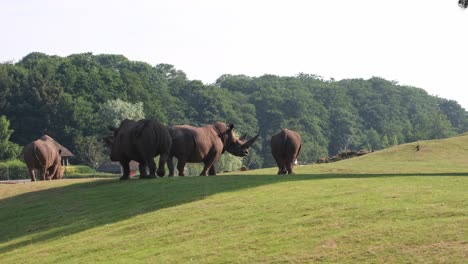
(57, 212)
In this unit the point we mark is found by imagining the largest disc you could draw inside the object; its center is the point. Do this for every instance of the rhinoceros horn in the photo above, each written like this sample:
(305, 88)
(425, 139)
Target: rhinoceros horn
(250, 142)
(243, 137)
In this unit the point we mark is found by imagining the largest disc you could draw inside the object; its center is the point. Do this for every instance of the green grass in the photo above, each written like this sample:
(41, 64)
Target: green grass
(392, 206)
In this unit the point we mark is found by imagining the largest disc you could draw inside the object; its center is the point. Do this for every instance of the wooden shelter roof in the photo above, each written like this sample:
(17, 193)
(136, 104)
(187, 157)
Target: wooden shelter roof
(65, 151)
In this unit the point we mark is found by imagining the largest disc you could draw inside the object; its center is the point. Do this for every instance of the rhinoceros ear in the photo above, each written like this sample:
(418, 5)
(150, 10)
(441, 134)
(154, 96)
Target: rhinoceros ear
(249, 143)
(111, 128)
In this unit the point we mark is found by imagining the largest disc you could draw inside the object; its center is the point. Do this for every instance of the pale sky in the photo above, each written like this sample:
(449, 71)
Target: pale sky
(422, 43)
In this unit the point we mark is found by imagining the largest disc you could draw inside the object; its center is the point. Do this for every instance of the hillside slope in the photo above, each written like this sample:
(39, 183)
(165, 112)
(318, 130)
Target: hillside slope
(416, 215)
(448, 155)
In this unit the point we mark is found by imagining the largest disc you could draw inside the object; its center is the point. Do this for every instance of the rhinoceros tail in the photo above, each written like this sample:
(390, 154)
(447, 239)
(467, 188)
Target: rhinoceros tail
(285, 140)
(299, 150)
(34, 151)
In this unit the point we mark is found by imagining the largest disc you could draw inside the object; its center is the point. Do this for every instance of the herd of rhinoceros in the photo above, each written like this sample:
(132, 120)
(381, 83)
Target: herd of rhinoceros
(145, 139)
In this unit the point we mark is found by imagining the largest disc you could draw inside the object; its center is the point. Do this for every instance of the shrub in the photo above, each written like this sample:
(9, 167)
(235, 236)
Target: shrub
(13, 170)
(8, 150)
(78, 169)
(16, 169)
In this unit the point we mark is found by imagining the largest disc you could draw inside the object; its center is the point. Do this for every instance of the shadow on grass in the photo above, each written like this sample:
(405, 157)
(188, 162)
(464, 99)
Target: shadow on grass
(57, 212)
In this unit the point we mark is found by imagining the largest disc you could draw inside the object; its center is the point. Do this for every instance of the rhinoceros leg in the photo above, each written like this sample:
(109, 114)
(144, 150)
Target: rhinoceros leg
(32, 173)
(209, 162)
(208, 168)
(126, 170)
(289, 167)
(283, 169)
(52, 172)
(181, 165)
(43, 172)
(162, 162)
(152, 167)
(170, 166)
(212, 170)
(144, 172)
(281, 165)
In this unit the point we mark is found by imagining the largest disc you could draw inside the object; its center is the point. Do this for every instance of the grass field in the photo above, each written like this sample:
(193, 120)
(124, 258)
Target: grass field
(391, 206)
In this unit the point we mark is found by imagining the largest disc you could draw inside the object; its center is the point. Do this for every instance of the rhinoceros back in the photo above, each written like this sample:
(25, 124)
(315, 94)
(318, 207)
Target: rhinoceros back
(151, 137)
(286, 143)
(139, 140)
(40, 153)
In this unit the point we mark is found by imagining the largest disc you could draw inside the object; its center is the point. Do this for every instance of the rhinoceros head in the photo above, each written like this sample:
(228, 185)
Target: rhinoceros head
(237, 146)
(60, 172)
(114, 141)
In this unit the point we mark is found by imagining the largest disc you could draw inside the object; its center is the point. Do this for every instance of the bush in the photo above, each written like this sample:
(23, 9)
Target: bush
(8, 150)
(78, 169)
(83, 171)
(13, 170)
(16, 170)
(228, 162)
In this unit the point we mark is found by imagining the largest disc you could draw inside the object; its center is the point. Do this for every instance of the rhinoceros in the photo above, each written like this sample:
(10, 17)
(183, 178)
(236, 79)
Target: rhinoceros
(205, 144)
(140, 141)
(285, 148)
(42, 155)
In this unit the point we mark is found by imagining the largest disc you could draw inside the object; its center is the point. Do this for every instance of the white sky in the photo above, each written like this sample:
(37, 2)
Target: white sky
(422, 43)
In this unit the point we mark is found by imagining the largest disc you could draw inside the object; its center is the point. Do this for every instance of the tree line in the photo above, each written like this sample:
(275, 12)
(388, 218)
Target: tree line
(78, 96)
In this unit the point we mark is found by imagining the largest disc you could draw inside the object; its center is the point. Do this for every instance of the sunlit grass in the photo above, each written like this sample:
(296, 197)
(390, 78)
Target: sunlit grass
(435, 156)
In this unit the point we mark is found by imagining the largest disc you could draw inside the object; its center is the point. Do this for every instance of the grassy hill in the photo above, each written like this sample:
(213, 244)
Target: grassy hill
(391, 206)
(435, 156)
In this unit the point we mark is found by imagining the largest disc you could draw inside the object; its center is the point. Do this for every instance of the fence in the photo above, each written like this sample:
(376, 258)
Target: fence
(13, 173)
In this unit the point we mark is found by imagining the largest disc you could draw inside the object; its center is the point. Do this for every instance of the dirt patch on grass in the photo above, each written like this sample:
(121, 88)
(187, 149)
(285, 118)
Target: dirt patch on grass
(329, 244)
(442, 252)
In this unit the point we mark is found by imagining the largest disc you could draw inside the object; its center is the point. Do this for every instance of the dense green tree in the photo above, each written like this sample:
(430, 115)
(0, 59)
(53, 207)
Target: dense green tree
(455, 114)
(440, 127)
(385, 142)
(34, 98)
(90, 151)
(342, 117)
(6, 84)
(76, 97)
(8, 150)
(372, 140)
(114, 111)
(77, 117)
